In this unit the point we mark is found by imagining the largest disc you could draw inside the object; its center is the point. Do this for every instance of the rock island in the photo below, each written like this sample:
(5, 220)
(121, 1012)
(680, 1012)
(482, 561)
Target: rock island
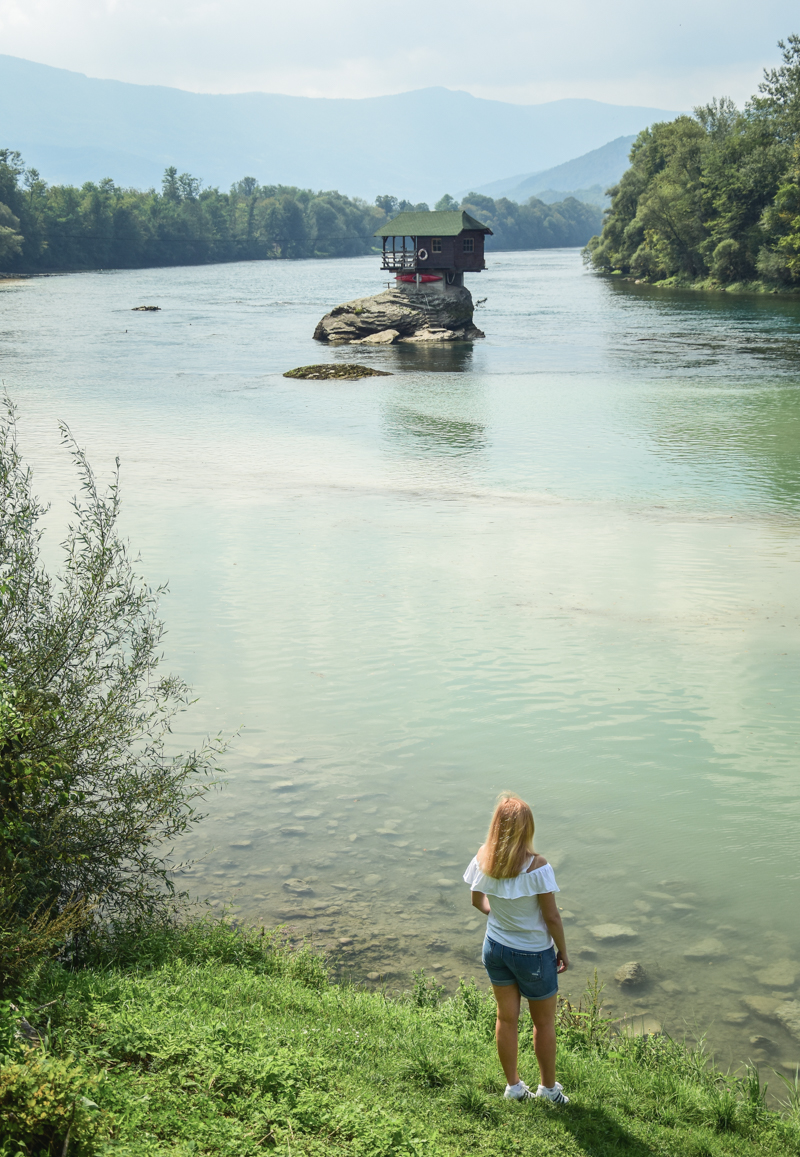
(428, 253)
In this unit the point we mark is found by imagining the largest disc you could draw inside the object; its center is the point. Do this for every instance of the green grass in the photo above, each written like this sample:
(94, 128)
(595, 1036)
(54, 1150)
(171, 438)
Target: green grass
(212, 1041)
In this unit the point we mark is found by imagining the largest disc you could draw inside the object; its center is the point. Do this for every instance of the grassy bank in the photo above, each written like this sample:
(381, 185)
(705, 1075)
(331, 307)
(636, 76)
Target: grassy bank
(711, 285)
(209, 1041)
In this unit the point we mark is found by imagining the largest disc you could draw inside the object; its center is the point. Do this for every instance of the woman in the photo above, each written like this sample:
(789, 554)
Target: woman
(518, 952)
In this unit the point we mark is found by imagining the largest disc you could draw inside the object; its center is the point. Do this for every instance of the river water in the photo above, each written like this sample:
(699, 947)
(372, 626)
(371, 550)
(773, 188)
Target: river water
(563, 561)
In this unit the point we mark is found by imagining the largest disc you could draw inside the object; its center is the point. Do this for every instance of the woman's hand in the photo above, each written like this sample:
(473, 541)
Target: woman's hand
(562, 961)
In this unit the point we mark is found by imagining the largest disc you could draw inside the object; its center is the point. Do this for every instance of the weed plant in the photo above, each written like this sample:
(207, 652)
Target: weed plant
(213, 1040)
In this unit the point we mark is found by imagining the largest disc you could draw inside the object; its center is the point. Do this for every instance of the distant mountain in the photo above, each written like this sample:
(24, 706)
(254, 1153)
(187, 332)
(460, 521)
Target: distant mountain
(586, 178)
(416, 145)
(592, 196)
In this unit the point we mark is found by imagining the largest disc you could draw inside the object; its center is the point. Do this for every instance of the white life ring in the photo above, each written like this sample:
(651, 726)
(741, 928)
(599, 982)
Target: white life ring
(423, 254)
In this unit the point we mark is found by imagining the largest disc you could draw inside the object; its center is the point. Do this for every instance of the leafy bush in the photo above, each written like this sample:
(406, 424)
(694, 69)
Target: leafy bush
(47, 1106)
(427, 992)
(89, 795)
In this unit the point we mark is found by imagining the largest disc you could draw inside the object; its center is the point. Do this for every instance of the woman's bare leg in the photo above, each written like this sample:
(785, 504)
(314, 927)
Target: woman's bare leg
(507, 1028)
(543, 1015)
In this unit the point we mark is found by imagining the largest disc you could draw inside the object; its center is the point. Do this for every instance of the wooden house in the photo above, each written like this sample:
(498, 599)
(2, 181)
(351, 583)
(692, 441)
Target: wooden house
(433, 249)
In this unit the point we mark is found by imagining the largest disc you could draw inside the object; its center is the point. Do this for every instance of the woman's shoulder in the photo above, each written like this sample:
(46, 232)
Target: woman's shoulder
(536, 863)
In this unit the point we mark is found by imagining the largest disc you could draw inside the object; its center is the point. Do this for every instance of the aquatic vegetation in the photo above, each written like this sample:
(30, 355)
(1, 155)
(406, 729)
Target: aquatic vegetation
(336, 371)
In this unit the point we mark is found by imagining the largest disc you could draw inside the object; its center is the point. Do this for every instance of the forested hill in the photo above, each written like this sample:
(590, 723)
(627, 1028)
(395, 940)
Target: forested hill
(101, 226)
(714, 199)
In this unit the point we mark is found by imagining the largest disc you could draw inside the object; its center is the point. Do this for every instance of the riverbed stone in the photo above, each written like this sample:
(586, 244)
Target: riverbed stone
(297, 887)
(613, 932)
(385, 337)
(761, 1005)
(408, 312)
(763, 1042)
(631, 975)
(788, 1013)
(780, 974)
(708, 949)
(292, 830)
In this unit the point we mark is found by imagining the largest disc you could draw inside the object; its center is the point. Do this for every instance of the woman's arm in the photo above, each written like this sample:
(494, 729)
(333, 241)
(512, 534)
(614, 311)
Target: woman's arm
(552, 918)
(481, 902)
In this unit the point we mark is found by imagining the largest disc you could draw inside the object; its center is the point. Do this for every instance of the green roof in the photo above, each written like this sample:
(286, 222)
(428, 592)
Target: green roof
(445, 224)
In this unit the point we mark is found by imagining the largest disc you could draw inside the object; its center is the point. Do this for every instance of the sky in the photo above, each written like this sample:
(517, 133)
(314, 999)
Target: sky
(672, 55)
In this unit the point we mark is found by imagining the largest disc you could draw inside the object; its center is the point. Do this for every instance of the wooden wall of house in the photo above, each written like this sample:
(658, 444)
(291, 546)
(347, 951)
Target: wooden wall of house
(453, 255)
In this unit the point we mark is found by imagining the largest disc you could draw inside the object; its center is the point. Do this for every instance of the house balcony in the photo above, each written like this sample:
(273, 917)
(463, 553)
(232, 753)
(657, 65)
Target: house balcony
(400, 260)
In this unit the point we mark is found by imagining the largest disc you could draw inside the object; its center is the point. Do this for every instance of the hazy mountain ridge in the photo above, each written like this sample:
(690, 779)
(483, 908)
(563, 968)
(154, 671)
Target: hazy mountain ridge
(415, 144)
(585, 178)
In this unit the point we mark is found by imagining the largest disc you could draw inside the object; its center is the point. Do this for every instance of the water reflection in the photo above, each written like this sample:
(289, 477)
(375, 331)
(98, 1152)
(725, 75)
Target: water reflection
(426, 433)
(673, 329)
(742, 441)
(434, 357)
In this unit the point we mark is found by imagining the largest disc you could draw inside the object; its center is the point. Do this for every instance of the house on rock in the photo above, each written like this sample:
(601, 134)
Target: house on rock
(428, 253)
(434, 249)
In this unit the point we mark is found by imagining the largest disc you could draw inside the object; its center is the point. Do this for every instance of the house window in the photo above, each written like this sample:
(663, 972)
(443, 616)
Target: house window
(469, 244)
(436, 245)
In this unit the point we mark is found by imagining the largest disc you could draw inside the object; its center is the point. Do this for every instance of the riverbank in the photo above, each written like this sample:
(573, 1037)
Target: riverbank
(212, 1040)
(711, 285)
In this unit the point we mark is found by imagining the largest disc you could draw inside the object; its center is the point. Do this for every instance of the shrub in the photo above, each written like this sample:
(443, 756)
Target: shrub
(88, 793)
(47, 1106)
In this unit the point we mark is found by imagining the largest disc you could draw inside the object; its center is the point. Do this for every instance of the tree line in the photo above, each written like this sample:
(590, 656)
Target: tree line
(101, 225)
(532, 225)
(715, 196)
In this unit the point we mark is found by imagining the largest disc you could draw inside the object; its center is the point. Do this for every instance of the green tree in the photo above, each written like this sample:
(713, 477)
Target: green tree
(10, 236)
(713, 195)
(446, 203)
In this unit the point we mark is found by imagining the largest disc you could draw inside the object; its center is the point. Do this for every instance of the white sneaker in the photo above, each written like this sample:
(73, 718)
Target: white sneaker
(518, 1092)
(556, 1094)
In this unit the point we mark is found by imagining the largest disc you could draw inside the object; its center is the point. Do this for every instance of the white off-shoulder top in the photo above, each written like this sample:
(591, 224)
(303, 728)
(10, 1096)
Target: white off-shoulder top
(516, 918)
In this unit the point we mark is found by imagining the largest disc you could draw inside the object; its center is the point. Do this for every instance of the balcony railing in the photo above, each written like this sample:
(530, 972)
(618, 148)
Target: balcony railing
(400, 259)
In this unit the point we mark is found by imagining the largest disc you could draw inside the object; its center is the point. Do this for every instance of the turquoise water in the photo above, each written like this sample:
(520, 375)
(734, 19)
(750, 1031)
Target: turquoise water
(563, 561)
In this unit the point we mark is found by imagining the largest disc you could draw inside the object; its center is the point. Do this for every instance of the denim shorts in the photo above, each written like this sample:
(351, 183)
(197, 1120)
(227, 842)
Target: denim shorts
(535, 973)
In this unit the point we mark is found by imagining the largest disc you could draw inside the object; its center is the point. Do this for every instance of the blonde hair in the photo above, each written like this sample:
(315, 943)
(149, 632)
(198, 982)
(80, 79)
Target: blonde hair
(509, 840)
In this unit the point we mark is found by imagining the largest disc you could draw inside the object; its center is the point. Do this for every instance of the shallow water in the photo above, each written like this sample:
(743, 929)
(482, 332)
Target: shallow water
(563, 561)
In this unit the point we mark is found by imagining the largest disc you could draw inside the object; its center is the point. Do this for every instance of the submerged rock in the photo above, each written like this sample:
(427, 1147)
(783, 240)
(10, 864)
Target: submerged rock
(761, 1005)
(347, 371)
(408, 314)
(780, 974)
(709, 949)
(631, 974)
(613, 932)
(789, 1016)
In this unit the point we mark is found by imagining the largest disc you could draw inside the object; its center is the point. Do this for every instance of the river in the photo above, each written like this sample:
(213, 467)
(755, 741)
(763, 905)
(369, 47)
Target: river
(563, 561)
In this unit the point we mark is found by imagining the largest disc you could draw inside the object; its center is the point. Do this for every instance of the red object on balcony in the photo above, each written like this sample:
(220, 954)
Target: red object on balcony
(413, 277)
